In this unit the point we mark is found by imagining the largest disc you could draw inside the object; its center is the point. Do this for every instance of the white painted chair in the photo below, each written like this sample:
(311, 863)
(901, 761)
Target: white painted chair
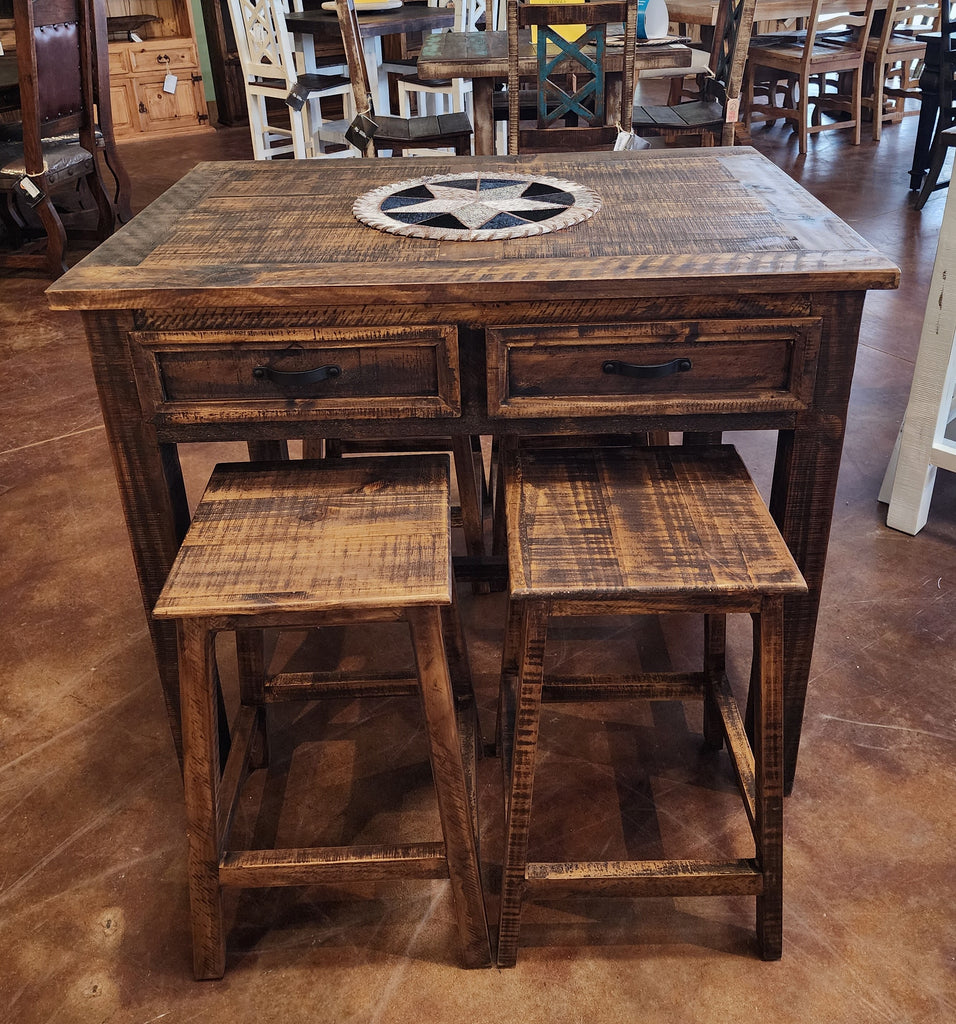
(443, 97)
(272, 73)
(927, 440)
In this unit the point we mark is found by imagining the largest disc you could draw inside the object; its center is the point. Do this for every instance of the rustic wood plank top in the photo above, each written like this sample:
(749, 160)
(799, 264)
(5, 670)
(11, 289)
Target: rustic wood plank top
(641, 522)
(312, 536)
(685, 222)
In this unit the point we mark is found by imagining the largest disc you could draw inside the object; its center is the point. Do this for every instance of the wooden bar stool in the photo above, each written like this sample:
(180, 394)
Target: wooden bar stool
(291, 545)
(633, 531)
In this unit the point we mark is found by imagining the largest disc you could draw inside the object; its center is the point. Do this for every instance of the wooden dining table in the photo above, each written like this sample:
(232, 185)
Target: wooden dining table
(708, 255)
(483, 57)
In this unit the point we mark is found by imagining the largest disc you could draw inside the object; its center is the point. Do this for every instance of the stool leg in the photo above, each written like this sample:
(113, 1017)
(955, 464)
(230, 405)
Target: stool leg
(768, 758)
(201, 785)
(715, 650)
(250, 655)
(455, 804)
(520, 737)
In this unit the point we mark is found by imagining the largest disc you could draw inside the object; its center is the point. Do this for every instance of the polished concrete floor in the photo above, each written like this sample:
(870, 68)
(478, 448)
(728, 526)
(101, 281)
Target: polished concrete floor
(93, 904)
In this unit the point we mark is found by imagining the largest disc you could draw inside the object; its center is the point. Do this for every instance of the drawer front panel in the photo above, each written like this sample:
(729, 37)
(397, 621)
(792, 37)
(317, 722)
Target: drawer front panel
(660, 368)
(171, 55)
(213, 376)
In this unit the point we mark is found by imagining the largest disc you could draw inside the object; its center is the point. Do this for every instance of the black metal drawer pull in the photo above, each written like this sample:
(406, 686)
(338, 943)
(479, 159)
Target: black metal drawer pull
(679, 365)
(297, 377)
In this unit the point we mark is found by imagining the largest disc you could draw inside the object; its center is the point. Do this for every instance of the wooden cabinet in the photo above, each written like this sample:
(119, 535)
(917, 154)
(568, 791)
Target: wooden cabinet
(155, 82)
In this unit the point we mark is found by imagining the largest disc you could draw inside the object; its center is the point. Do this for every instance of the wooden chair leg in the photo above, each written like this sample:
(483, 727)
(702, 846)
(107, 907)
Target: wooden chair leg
(251, 662)
(520, 736)
(768, 760)
(201, 785)
(55, 237)
(455, 804)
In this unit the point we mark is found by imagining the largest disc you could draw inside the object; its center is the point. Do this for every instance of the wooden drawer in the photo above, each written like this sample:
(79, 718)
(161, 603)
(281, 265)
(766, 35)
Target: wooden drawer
(239, 376)
(659, 368)
(165, 54)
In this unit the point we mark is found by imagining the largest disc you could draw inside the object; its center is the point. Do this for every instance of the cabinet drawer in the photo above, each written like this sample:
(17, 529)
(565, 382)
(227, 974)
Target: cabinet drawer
(660, 368)
(298, 374)
(164, 54)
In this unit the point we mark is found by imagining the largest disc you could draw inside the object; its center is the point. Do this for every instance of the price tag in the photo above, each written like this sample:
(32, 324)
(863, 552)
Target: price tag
(29, 191)
(629, 140)
(169, 84)
(361, 132)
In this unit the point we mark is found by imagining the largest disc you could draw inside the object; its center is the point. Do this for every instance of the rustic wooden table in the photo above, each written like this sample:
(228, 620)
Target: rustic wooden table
(713, 255)
(483, 57)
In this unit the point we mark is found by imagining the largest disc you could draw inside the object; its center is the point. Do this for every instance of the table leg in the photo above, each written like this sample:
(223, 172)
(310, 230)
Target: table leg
(801, 501)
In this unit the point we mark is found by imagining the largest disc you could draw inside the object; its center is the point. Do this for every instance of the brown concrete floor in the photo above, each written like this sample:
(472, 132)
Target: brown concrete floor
(93, 904)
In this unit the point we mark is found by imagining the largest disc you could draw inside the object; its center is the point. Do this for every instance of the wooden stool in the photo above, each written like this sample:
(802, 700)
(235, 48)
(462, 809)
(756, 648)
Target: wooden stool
(643, 531)
(298, 544)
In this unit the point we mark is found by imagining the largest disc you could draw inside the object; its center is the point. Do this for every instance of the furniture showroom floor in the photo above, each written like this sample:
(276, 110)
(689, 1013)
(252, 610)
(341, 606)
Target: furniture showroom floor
(93, 903)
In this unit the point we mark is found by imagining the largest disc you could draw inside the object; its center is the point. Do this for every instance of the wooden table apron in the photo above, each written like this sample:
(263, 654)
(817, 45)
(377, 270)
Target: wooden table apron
(483, 57)
(691, 247)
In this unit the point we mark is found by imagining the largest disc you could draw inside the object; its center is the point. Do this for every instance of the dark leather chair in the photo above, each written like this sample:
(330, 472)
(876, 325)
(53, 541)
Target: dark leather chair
(53, 147)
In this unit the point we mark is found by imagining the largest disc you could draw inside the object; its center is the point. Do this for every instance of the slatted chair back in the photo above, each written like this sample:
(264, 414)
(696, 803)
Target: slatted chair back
(396, 134)
(830, 55)
(55, 143)
(571, 75)
(715, 114)
(269, 67)
(896, 55)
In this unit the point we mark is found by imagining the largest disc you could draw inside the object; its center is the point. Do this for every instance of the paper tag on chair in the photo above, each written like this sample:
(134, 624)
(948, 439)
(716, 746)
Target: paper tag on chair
(29, 191)
(629, 140)
(732, 114)
(298, 94)
(361, 132)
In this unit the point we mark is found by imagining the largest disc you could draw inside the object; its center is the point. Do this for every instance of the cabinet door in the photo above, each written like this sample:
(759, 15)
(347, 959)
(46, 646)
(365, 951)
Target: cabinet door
(125, 114)
(182, 110)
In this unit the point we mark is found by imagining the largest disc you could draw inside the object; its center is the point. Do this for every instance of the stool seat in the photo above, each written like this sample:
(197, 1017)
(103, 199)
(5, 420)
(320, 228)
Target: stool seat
(636, 531)
(314, 536)
(632, 522)
(312, 543)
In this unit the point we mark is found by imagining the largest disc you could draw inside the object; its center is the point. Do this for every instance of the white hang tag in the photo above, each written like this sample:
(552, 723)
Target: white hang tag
(169, 84)
(733, 111)
(629, 140)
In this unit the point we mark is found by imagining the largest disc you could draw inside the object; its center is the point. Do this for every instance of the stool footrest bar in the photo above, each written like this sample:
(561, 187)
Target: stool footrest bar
(316, 865)
(643, 878)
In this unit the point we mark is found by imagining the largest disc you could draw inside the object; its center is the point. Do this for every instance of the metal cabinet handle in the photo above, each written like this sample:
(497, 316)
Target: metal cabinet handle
(679, 365)
(297, 377)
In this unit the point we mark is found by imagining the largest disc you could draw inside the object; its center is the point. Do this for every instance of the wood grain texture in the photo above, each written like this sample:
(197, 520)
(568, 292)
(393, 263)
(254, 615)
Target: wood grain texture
(234, 234)
(306, 537)
(288, 544)
(720, 239)
(600, 523)
(625, 530)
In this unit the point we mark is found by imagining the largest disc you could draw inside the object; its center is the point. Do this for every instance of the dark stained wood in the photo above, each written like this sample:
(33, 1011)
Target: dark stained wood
(722, 238)
(636, 530)
(288, 544)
